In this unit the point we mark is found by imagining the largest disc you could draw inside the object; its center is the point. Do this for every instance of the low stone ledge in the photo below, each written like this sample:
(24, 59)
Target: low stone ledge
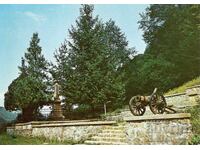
(158, 117)
(176, 94)
(23, 124)
(53, 122)
(195, 86)
(193, 91)
(96, 123)
(10, 127)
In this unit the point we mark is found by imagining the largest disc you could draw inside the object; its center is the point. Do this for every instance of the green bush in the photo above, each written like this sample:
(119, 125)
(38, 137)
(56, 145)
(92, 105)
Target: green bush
(195, 120)
(195, 140)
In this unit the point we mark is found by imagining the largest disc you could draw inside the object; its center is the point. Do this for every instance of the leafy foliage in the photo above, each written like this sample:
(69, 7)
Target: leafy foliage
(90, 65)
(172, 54)
(30, 89)
(195, 140)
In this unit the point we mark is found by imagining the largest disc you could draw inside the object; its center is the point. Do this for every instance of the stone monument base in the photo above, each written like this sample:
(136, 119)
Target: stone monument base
(57, 111)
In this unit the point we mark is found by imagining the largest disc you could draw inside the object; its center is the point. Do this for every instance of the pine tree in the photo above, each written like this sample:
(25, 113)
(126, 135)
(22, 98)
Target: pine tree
(93, 62)
(61, 71)
(30, 89)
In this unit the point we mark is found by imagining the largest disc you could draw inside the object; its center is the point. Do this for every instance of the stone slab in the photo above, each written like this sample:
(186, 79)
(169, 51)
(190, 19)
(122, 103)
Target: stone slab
(94, 123)
(176, 94)
(158, 117)
(195, 86)
(53, 122)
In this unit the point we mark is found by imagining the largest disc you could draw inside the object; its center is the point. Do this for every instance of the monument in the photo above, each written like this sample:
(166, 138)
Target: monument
(57, 109)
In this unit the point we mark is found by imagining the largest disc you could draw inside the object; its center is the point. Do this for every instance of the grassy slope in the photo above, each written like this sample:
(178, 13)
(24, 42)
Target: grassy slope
(182, 88)
(6, 116)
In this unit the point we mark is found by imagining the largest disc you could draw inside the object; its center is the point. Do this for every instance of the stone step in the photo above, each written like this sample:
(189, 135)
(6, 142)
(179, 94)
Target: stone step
(114, 127)
(108, 139)
(104, 143)
(112, 131)
(121, 135)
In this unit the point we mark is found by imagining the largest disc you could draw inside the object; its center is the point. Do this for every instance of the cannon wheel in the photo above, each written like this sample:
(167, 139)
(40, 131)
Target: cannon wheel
(136, 106)
(158, 104)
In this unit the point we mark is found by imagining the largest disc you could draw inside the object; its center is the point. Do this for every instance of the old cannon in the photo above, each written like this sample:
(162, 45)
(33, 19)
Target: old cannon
(156, 102)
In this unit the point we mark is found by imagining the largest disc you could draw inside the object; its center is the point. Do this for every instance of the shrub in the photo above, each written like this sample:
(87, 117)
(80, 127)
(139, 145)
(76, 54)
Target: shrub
(195, 140)
(195, 120)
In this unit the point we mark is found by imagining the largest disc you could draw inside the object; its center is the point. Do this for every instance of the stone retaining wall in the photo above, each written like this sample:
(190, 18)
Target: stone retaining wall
(152, 129)
(182, 101)
(159, 129)
(74, 131)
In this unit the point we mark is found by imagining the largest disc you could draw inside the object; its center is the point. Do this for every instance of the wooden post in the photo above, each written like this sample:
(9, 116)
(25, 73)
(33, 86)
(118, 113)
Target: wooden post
(104, 108)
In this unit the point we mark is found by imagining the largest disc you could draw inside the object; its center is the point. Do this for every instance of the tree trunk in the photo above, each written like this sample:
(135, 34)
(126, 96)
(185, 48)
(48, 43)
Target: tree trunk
(27, 113)
(93, 111)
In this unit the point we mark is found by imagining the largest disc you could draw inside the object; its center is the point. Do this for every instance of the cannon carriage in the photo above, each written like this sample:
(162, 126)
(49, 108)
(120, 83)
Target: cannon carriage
(156, 103)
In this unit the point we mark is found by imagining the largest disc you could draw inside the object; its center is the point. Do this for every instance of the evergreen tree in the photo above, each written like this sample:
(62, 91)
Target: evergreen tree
(93, 62)
(30, 89)
(62, 72)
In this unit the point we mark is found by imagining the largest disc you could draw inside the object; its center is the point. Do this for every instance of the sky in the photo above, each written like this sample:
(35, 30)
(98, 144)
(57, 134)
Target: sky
(19, 22)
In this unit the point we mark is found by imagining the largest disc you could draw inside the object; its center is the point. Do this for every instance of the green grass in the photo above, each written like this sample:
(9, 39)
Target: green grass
(195, 140)
(6, 139)
(182, 88)
(195, 120)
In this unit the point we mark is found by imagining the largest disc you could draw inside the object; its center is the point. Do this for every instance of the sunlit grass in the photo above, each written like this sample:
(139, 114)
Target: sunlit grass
(182, 88)
(6, 139)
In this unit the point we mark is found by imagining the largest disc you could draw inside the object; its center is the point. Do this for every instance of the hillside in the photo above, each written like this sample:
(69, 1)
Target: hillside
(183, 87)
(6, 116)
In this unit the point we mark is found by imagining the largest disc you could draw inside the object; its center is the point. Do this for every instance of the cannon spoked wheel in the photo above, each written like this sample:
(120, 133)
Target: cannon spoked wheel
(136, 106)
(158, 104)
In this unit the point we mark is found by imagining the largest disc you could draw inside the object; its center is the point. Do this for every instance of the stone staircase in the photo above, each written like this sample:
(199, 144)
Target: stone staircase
(110, 135)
